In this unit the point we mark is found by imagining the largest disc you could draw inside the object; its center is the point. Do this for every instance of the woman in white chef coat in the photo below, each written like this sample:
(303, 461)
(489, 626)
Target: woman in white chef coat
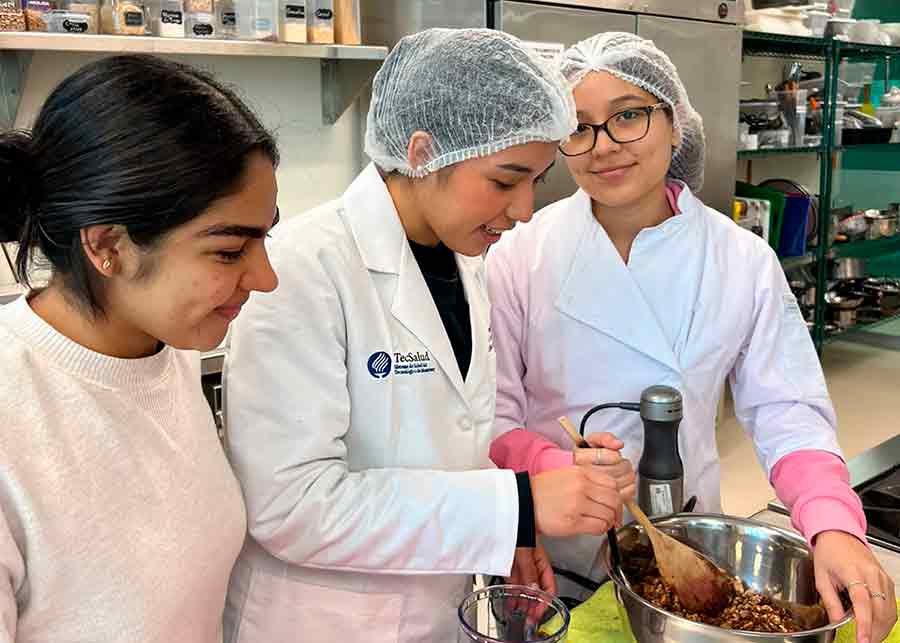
(633, 281)
(360, 395)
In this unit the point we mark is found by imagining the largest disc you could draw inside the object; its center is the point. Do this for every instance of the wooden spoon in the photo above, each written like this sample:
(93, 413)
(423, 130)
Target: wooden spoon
(576, 438)
(700, 584)
(808, 617)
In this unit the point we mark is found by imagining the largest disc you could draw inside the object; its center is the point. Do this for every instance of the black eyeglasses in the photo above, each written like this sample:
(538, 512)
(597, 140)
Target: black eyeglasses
(627, 126)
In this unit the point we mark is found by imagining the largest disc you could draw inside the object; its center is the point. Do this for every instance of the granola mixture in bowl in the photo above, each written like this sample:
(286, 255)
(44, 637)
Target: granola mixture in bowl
(765, 560)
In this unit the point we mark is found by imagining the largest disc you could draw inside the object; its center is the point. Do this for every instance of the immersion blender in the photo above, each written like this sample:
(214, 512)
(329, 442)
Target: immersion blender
(660, 470)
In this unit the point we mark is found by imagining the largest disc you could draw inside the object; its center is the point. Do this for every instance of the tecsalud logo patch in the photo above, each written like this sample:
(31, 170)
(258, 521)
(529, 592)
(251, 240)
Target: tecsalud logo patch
(380, 365)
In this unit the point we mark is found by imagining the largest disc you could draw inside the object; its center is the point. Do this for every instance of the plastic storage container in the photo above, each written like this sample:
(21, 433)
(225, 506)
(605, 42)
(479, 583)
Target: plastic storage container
(292, 20)
(200, 24)
(171, 19)
(794, 109)
(35, 13)
(226, 20)
(257, 19)
(12, 21)
(125, 18)
(90, 8)
(11, 16)
(816, 21)
(320, 21)
(856, 75)
(347, 22)
(63, 21)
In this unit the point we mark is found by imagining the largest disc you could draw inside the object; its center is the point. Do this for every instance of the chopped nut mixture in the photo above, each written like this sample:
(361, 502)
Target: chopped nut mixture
(748, 611)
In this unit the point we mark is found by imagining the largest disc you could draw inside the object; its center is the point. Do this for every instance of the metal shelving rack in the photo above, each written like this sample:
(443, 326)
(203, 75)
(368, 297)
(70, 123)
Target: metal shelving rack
(779, 151)
(864, 249)
(831, 53)
(859, 328)
(766, 45)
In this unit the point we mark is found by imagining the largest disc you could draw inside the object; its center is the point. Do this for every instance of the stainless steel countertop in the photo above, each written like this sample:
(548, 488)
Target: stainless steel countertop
(889, 560)
(863, 469)
(874, 462)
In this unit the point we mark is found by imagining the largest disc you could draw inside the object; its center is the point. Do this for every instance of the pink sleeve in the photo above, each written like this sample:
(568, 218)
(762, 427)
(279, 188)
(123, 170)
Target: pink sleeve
(815, 486)
(522, 450)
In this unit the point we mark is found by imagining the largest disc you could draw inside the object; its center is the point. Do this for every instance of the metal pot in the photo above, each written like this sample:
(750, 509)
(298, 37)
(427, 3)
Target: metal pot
(883, 293)
(843, 307)
(842, 302)
(849, 268)
(882, 223)
(767, 559)
(854, 227)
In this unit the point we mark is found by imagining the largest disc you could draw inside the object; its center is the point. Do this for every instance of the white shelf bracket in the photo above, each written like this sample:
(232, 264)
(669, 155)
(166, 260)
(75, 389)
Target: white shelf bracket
(342, 83)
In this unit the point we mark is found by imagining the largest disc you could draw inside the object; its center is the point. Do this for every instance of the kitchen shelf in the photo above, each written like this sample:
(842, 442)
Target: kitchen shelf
(778, 151)
(866, 146)
(344, 69)
(862, 50)
(793, 263)
(859, 328)
(33, 41)
(868, 248)
(772, 45)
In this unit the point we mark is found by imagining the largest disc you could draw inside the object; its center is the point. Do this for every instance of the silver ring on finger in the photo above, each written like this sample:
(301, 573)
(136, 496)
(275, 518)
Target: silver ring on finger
(858, 582)
(880, 595)
(598, 456)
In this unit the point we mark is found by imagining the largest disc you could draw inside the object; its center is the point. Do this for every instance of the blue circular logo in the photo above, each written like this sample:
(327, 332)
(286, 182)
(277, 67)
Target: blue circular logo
(379, 365)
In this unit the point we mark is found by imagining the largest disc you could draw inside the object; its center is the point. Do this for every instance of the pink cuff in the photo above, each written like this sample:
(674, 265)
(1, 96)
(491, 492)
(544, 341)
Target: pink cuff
(522, 450)
(829, 514)
(815, 487)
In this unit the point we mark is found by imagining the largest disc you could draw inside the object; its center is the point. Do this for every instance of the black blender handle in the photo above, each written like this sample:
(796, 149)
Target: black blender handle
(689, 505)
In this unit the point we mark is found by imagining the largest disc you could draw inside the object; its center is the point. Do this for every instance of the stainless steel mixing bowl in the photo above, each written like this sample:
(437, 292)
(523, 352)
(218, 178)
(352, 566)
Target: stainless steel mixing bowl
(769, 560)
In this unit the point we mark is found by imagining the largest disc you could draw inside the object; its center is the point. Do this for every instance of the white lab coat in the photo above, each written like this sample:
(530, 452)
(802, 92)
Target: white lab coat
(371, 499)
(699, 301)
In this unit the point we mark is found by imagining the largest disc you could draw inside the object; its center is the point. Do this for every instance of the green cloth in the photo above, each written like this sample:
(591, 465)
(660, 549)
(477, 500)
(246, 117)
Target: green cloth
(598, 619)
(601, 619)
(847, 634)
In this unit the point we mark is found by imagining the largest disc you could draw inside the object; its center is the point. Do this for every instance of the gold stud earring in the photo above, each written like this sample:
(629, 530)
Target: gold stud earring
(107, 264)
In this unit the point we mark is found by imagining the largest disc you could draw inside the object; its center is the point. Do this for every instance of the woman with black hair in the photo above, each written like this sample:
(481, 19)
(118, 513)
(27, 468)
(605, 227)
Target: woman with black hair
(149, 188)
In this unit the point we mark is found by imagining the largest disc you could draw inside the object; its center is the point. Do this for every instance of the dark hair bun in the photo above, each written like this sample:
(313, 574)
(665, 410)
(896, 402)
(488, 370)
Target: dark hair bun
(15, 174)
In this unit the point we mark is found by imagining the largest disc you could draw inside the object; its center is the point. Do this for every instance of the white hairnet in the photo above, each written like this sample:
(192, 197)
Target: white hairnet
(639, 62)
(475, 91)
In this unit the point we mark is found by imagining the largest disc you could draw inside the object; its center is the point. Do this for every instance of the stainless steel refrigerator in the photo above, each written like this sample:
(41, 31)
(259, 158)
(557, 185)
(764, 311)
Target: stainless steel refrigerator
(705, 47)
(702, 37)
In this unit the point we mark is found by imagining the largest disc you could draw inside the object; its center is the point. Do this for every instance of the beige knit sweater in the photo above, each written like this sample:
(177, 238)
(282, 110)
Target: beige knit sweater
(119, 516)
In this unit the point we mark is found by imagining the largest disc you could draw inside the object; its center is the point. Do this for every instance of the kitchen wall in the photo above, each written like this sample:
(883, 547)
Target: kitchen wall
(884, 10)
(318, 161)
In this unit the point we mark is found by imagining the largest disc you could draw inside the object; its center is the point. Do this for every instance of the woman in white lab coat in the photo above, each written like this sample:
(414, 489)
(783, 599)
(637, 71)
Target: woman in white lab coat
(360, 397)
(633, 281)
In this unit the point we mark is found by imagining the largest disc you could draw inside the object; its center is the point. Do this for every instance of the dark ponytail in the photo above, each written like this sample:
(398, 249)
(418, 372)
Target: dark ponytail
(15, 173)
(137, 141)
